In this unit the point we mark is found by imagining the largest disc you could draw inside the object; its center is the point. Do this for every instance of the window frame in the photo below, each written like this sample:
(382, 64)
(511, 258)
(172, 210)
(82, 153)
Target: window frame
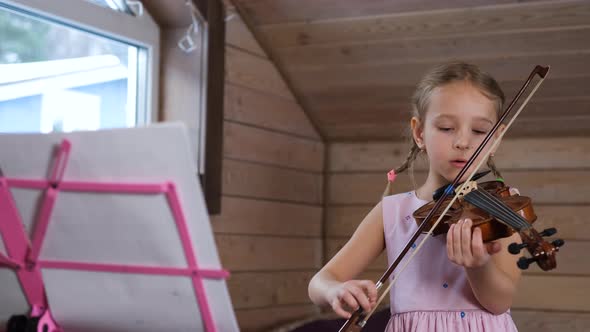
(142, 31)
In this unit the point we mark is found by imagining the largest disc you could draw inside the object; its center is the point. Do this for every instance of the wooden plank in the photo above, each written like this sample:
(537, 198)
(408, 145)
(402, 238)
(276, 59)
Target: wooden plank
(250, 106)
(436, 49)
(238, 35)
(342, 221)
(263, 319)
(562, 153)
(548, 292)
(254, 72)
(257, 217)
(540, 128)
(370, 156)
(262, 253)
(444, 23)
(271, 288)
(263, 12)
(570, 220)
(365, 132)
(548, 321)
(521, 153)
(402, 112)
(266, 182)
(555, 187)
(511, 67)
(551, 127)
(389, 121)
(364, 188)
(378, 94)
(259, 145)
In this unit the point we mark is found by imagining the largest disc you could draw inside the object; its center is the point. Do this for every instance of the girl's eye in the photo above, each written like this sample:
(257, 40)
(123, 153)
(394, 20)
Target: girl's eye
(480, 132)
(445, 128)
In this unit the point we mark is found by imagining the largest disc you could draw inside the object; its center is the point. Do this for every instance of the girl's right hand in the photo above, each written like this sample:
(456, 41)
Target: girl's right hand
(345, 297)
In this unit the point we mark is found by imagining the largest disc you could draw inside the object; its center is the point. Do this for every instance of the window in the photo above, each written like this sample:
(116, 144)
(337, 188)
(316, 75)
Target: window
(66, 74)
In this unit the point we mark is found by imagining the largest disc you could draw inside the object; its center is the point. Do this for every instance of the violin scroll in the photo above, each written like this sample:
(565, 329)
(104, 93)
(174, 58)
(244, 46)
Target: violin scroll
(542, 252)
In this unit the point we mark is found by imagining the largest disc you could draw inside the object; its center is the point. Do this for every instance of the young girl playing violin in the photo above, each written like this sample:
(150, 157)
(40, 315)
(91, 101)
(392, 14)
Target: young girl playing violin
(454, 283)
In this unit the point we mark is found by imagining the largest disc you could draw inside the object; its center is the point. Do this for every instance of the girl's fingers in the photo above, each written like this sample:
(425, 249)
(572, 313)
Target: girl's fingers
(477, 245)
(348, 299)
(337, 307)
(457, 252)
(361, 298)
(466, 240)
(370, 289)
(450, 252)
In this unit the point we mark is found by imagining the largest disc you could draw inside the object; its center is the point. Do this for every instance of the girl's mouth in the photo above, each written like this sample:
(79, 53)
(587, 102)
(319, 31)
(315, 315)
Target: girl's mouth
(458, 163)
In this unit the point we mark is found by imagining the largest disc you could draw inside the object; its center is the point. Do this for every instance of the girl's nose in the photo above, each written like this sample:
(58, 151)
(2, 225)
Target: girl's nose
(461, 142)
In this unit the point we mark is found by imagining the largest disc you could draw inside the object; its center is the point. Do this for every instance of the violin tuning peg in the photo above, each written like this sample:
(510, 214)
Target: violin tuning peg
(558, 243)
(514, 248)
(523, 263)
(548, 232)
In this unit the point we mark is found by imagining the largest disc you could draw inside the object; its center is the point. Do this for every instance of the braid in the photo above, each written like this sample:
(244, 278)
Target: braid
(493, 168)
(414, 151)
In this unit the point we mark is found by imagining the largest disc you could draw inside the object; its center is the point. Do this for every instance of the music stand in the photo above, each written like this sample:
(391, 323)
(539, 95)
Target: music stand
(108, 231)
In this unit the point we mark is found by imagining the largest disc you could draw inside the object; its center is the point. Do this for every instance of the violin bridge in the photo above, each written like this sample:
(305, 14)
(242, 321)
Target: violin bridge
(467, 188)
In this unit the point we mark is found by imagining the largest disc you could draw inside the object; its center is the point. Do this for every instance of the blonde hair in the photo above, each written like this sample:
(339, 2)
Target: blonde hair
(440, 76)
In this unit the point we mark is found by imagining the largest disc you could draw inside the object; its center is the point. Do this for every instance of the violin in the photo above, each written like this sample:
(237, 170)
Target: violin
(498, 214)
(491, 228)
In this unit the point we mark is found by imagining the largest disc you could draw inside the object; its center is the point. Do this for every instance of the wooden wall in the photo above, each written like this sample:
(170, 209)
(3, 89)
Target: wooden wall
(269, 231)
(552, 171)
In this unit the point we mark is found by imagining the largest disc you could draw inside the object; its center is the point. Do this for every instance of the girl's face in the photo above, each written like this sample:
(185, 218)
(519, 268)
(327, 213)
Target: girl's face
(458, 118)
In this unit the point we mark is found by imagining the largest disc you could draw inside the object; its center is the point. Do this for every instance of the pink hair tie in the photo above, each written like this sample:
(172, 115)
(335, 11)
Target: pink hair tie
(391, 175)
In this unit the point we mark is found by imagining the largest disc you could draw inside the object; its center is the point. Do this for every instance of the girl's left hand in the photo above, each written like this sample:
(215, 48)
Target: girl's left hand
(466, 248)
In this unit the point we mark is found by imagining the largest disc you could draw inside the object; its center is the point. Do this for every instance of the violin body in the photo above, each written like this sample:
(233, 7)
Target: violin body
(491, 228)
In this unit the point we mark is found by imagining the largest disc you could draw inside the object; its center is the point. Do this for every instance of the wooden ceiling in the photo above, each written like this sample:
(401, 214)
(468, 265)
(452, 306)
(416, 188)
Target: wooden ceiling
(353, 64)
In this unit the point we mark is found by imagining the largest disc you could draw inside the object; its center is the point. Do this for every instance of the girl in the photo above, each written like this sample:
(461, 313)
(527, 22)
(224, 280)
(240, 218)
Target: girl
(454, 283)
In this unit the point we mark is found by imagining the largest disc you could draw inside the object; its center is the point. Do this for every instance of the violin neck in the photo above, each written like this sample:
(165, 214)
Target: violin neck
(495, 207)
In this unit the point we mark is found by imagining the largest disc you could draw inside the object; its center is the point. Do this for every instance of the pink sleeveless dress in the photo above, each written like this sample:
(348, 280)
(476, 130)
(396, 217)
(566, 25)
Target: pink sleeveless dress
(432, 293)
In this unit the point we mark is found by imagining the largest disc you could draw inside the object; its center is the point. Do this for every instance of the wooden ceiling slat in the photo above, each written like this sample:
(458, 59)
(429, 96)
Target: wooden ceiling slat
(237, 34)
(454, 22)
(379, 95)
(289, 11)
(510, 68)
(435, 49)
(555, 126)
(401, 112)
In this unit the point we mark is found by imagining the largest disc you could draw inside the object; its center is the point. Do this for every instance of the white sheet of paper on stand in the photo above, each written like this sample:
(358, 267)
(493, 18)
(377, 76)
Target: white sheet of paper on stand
(131, 229)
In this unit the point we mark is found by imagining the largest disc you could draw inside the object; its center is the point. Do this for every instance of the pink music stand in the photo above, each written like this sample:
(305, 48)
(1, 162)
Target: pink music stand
(46, 280)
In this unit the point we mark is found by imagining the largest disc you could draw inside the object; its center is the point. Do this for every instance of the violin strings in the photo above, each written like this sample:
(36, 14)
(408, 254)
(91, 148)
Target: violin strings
(496, 208)
(495, 211)
(500, 209)
(518, 218)
(508, 213)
